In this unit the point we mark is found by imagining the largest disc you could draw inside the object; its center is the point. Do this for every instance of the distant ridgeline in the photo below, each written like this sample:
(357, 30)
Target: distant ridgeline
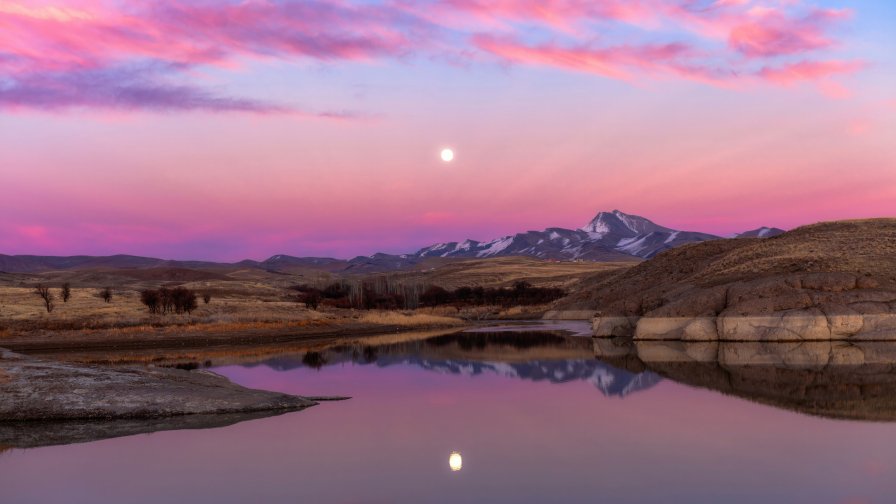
(609, 236)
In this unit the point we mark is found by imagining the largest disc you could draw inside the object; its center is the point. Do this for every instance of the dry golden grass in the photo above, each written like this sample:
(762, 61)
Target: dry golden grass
(406, 319)
(504, 271)
(252, 300)
(865, 248)
(21, 310)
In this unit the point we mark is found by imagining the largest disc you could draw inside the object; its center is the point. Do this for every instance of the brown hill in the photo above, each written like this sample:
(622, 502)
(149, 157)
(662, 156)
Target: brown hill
(834, 271)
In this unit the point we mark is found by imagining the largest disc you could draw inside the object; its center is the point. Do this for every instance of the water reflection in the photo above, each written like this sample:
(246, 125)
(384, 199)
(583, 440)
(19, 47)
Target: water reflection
(831, 379)
(550, 356)
(539, 432)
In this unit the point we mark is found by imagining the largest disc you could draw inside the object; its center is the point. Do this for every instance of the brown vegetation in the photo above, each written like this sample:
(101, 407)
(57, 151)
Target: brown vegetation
(249, 301)
(44, 293)
(105, 294)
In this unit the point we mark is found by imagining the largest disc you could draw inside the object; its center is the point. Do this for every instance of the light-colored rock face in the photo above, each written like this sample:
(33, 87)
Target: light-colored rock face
(34, 389)
(811, 324)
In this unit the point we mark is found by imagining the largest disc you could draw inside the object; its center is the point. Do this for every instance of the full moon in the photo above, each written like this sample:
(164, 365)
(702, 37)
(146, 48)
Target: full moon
(455, 462)
(447, 155)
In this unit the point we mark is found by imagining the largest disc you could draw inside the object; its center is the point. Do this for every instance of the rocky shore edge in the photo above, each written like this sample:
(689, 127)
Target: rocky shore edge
(35, 389)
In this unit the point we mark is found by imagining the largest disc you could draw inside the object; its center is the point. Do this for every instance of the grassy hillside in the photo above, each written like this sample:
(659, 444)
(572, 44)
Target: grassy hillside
(845, 266)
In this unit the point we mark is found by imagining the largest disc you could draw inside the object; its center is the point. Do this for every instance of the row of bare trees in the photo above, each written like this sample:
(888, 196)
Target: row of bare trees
(176, 300)
(65, 293)
(383, 293)
(163, 300)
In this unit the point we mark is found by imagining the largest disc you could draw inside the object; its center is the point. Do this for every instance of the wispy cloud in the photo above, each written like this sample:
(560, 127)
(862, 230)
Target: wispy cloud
(719, 42)
(133, 54)
(772, 32)
(808, 70)
(137, 54)
(123, 88)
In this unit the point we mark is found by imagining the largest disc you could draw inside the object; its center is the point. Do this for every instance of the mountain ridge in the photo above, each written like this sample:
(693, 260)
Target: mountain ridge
(609, 236)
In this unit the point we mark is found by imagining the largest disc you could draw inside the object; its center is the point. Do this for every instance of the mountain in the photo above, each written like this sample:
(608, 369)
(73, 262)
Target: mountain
(609, 236)
(552, 243)
(763, 232)
(617, 225)
(36, 264)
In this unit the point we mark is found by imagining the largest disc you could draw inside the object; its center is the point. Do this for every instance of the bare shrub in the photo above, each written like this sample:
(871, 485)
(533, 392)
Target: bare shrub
(46, 296)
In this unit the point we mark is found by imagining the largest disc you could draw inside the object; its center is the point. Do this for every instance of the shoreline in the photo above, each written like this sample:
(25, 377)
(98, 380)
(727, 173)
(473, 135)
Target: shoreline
(199, 337)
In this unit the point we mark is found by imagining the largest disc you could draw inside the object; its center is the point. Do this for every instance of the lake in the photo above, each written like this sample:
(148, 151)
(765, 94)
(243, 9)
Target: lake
(533, 414)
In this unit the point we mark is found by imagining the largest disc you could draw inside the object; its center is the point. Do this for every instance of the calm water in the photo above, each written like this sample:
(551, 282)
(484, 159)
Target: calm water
(535, 416)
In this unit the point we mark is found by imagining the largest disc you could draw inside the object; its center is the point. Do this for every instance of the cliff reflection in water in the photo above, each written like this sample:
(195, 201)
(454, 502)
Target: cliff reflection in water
(831, 379)
(550, 356)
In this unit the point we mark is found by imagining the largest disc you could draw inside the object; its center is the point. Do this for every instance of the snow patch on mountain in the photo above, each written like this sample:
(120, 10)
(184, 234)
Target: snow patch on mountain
(632, 245)
(496, 246)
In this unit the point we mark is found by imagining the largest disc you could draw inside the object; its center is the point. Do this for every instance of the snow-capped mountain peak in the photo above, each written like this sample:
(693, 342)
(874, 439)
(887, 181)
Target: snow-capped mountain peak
(620, 225)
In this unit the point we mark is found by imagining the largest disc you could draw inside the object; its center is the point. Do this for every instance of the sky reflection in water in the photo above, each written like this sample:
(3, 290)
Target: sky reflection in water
(526, 434)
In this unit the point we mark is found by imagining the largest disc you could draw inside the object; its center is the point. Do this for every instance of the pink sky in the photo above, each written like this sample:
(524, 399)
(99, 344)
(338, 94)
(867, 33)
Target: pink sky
(241, 130)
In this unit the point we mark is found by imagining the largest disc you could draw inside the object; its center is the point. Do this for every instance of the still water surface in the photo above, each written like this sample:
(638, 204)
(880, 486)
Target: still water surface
(534, 416)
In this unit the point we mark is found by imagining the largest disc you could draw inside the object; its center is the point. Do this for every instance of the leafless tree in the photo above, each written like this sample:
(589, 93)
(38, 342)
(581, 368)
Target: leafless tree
(151, 299)
(165, 300)
(46, 295)
(66, 292)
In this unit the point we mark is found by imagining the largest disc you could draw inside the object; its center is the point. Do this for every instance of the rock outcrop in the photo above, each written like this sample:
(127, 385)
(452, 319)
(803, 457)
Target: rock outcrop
(831, 281)
(35, 389)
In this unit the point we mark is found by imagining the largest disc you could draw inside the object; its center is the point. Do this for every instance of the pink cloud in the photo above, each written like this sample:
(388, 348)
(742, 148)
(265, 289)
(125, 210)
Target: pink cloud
(55, 57)
(771, 32)
(762, 34)
(137, 55)
(808, 70)
(557, 13)
(622, 62)
(618, 62)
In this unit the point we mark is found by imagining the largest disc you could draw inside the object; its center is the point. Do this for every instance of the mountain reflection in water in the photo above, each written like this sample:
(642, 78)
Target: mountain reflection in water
(551, 356)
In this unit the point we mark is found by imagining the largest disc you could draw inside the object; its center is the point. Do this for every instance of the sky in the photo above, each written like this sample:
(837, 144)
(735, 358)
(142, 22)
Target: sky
(242, 129)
